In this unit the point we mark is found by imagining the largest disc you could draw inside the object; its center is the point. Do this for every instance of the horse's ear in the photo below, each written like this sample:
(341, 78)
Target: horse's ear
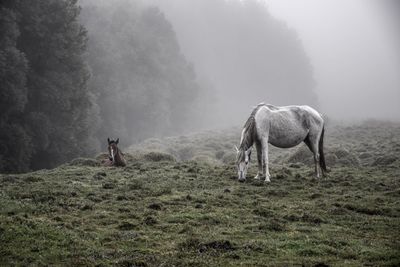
(108, 140)
(117, 141)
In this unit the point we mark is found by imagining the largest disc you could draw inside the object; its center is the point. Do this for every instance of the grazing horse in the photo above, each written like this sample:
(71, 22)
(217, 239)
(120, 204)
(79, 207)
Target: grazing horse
(282, 127)
(115, 154)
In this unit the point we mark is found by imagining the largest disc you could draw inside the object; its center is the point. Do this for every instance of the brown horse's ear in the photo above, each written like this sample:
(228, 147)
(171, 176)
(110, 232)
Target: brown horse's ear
(117, 141)
(108, 140)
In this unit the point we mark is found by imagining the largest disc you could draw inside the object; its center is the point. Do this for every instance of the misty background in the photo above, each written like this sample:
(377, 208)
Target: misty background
(76, 72)
(351, 52)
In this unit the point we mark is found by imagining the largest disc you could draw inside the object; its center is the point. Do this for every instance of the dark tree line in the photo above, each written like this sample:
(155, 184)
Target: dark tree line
(46, 101)
(62, 95)
(15, 142)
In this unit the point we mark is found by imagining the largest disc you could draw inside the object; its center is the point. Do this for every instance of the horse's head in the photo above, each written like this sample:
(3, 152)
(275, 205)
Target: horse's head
(242, 162)
(112, 149)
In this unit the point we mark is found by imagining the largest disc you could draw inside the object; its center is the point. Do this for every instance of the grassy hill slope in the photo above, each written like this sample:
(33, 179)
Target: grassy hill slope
(164, 209)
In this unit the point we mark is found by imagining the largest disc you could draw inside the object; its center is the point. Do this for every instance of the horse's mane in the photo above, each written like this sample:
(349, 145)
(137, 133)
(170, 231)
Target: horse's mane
(272, 107)
(248, 132)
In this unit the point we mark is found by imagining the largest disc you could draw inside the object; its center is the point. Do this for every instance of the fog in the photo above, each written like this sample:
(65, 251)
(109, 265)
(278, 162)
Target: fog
(355, 52)
(352, 47)
(244, 54)
(136, 69)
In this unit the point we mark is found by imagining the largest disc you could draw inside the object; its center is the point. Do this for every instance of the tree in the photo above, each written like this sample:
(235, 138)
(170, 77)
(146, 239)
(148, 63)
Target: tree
(15, 143)
(144, 85)
(56, 116)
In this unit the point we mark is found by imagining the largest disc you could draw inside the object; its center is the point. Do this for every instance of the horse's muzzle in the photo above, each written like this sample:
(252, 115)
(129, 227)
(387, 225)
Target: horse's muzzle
(242, 176)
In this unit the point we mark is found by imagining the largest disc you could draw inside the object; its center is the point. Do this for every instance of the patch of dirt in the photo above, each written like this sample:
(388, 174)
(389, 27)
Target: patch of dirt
(155, 206)
(126, 226)
(150, 220)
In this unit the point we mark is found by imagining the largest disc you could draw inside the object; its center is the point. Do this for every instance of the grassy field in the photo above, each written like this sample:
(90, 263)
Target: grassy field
(178, 203)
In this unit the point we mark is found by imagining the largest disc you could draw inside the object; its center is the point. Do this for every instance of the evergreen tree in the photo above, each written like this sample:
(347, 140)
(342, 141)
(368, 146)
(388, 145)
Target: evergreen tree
(15, 143)
(56, 114)
(58, 100)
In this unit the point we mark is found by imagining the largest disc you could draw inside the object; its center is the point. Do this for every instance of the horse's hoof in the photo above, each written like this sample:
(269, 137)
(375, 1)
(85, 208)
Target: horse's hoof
(267, 180)
(259, 176)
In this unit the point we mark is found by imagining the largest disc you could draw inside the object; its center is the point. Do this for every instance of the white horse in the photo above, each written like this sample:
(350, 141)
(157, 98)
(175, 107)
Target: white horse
(282, 127)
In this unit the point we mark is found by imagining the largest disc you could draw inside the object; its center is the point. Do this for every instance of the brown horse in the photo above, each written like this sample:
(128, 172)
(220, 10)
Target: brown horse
(115, 155)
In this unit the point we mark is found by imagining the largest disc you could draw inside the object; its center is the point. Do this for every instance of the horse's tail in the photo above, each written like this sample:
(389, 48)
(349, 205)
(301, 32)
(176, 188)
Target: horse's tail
(321, 151)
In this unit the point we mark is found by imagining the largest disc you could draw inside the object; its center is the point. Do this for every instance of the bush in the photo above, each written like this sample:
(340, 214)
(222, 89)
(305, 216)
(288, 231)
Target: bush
(205, 158)
(186, 153)
(365, 155)
(84, 162)
(302, 154)
(158, 156)
(331, 159)
(345, 158)
(384, 160)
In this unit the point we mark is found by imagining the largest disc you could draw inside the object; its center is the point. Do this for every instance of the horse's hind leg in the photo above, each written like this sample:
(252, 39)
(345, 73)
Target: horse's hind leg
(312, 143)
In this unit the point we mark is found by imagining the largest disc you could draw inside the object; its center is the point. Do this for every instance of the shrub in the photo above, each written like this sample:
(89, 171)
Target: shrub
(302, 154)
(384, 160)
(84, 162)
(158, 156)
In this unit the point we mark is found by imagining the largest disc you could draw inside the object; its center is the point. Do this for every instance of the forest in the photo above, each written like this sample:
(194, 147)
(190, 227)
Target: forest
(74, 73)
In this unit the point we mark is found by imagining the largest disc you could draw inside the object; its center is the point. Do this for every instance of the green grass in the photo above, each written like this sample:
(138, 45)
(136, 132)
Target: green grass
(161, 211)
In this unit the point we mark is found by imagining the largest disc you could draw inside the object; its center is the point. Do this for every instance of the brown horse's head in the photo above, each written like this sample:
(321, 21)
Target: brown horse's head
(112, 149)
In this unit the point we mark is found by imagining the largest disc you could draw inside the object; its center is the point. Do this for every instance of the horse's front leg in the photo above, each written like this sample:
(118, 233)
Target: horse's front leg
(316, 163)
(265, 168)
(259, 161)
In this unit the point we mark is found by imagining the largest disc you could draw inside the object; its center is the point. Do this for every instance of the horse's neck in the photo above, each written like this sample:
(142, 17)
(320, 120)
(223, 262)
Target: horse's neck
(247, 141)
(119, 157)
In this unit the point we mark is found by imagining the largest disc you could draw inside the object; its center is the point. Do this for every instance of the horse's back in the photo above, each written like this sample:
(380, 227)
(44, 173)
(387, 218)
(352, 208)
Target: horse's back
(287, 126)
(314, 118)
(307, 116)
(311, 111)
(304, 112)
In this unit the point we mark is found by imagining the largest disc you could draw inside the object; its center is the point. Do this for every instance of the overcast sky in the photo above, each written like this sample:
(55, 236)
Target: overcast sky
(355, 57)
